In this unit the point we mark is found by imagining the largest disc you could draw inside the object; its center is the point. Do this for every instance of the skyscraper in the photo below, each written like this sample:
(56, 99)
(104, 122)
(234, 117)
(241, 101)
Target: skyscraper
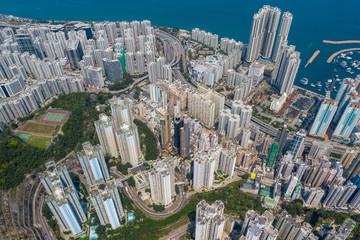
(93, 163)
(283, 34)
(323, 118)
(281, 138)
(205, 163)
(185, 138)
(165, 130)
(121, 110)
(105, 129)
(344, 96)
(62, 198)
(129, 144)
(272, 155)
(347, 122)
(265, 24)
(210, 220)
(74, 53)
(227, 161)
(286, 68)
(107, 202)
(112, 69)
(162, 182)
(297, 144)
(25, 43)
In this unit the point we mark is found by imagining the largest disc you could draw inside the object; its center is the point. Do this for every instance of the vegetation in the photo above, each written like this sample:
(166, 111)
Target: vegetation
(137, 92)
(147, 138)
(277, 124)
(41, 142)
(18, 158)
(123, 168)
(263, 118)
(236, 203)
(119, 85)
(131, 182)
(336, 155)
(158, 208)
(313, 216)
(51, 221)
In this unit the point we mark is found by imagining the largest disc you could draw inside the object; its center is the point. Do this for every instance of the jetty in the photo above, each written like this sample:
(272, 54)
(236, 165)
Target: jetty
(341, 51)
(341, 42)
(315, 54)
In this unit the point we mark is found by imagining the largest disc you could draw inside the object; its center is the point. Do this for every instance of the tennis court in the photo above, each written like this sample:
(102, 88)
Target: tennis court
(55, 116)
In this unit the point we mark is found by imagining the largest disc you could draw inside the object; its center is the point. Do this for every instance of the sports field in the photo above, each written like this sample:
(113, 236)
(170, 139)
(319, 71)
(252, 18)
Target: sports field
(55, 116)
(265, 193)
(39, 128)
(41, 142)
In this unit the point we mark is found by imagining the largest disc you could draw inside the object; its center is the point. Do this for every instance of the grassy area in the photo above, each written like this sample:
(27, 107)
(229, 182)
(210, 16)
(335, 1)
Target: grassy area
(38, 128)
(41, 142)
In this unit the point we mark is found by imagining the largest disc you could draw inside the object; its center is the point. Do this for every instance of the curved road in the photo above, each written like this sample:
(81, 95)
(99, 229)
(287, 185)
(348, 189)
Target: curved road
(175, 207)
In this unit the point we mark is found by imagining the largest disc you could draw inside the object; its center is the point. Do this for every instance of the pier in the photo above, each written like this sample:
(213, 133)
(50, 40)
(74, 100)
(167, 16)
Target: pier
(341, 51)
(341, 42)
(315, 54)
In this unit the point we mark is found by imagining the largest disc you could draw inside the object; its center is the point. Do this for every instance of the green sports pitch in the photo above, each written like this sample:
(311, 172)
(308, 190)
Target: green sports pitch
(55, 116)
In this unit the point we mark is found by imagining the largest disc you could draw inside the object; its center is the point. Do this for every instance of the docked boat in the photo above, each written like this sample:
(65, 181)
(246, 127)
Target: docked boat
(330, 80)
(319, 84)
(304, 81)
(343, 64)
(313, 85)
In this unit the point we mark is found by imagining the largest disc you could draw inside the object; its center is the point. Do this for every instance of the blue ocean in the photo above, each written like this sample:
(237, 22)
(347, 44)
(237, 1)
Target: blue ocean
(314, 21)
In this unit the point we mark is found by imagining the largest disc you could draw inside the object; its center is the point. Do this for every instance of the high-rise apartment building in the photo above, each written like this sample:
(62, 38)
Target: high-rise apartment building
(93, 163)
(283, 33)
(211, 222)
(283, 76)
(113, 70)
(323, 118)
(62, 198)
(129, 144)
(227, 161)
(106, 199)
(205, 164)
(74, 53)
(121, 110)
(162, 182)
(347, 122)
(105, 129)
(263, 33)
(297, 144)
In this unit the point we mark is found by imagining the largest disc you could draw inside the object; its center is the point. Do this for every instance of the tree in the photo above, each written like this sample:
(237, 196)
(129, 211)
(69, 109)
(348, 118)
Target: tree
(158, 208)
(101, 231)
(177, 190)
(131, 182)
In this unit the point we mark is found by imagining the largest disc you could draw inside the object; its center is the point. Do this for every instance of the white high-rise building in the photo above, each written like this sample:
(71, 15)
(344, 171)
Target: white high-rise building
(323, 118)
(265, 24)
(93, 163)
(105, 129)
(205, 164)
(286, 68)
(347, 122)
(129, 144)
(297, 144)
(162, 182)
(107, 202)
(121, 110)
(291, 186)
(130, 64)
(283, 34)
(167, 73)
(227, 161)
(245, 138)
(153, 72)
(210, 220)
